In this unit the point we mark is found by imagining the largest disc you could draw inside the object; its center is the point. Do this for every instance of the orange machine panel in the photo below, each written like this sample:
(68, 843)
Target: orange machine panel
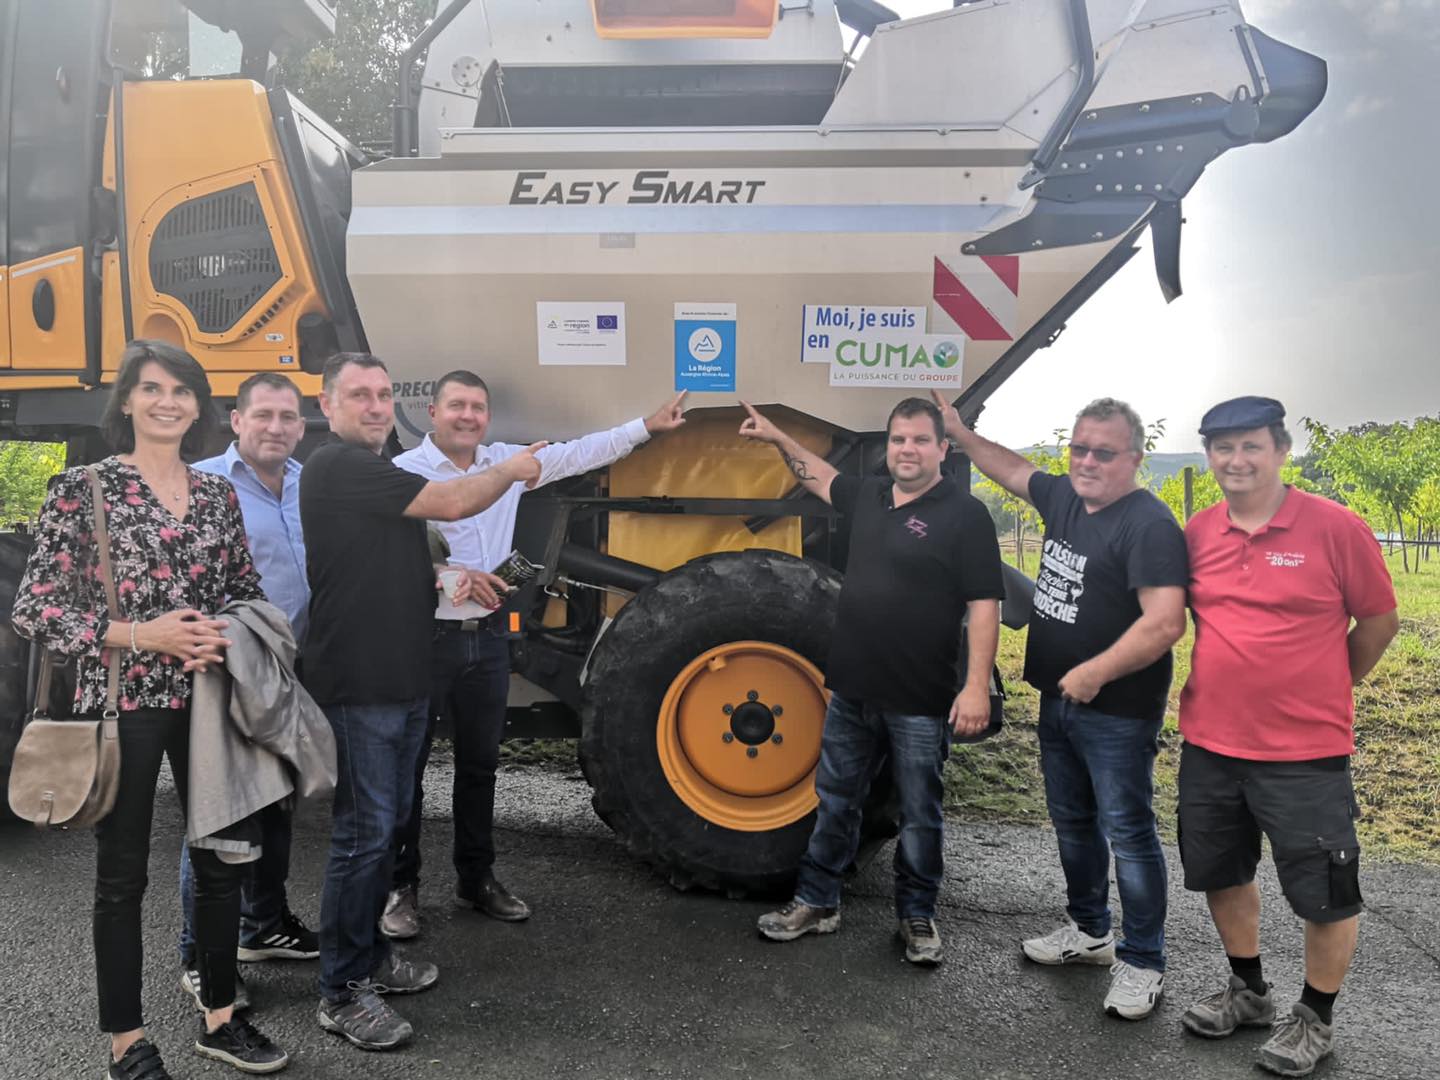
(47, 312)
(4, 317)
(685, 18)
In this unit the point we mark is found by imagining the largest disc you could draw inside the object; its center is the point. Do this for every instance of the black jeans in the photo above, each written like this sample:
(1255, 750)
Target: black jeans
(122, 857)
(263, 901)
(470, 681)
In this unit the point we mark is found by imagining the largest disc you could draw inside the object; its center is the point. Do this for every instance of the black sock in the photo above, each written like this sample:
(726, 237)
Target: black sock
(1319, 1002)
(1248, 968)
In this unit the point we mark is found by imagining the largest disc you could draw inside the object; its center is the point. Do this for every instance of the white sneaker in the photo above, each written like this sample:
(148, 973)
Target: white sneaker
(1134, 991)
(1070, 945)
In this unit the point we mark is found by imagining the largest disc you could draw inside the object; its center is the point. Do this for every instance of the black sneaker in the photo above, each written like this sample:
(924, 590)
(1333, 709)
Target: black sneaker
(400, 976)
(236, 1042)
(365, 1020)
(141, 1062)
(288, 939)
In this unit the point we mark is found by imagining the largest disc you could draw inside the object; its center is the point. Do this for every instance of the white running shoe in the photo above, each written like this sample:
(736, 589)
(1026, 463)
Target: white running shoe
(1070, 945)
(1134, 991)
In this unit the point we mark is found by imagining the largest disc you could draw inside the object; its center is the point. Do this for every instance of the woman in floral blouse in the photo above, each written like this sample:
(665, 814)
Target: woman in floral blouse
(178, 551)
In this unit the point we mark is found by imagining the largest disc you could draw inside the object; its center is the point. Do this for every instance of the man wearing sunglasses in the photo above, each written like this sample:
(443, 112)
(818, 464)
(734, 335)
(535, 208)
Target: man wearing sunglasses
(1109, 604)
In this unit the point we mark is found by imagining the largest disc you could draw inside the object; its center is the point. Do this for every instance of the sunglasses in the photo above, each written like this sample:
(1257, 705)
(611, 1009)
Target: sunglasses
(1079, 451)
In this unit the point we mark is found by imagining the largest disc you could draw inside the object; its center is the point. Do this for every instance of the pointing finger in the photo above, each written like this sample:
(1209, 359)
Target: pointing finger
(535, 448)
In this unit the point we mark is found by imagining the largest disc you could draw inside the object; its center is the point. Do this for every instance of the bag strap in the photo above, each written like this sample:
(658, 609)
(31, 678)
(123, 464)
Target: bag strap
(107, 577)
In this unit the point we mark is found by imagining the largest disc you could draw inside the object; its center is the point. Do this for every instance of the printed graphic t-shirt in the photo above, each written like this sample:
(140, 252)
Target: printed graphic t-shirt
(1091, 566)
(911, 571)
(372, 587)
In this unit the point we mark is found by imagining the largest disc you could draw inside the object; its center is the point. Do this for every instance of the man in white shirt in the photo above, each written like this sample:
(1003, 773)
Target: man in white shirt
(471, 666)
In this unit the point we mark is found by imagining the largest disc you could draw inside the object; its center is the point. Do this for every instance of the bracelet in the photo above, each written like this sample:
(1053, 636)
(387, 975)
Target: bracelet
(133, 646)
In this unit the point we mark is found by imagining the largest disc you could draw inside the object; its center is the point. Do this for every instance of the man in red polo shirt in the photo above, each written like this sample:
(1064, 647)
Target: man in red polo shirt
(1293, 605)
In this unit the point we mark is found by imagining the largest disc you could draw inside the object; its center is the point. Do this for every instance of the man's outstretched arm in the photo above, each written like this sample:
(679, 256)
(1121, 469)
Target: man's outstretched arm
(813, 471)
(999, 463)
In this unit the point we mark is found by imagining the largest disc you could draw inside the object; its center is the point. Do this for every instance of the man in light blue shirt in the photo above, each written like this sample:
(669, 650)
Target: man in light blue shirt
(268, 426)
(470, 672)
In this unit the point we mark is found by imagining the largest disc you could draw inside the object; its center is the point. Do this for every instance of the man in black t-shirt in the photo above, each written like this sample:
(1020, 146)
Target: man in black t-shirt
(1109, 604)
(367, 663)
(923, 556)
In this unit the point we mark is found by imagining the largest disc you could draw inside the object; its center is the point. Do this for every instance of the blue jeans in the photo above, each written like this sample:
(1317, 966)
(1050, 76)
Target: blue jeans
(262, 884)
(852, 751)
(376, 747)
(1099, 785)
(470, 681)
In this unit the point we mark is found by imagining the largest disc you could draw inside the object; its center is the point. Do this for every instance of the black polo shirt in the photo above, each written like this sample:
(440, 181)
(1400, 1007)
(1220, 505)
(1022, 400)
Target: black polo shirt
(911, 572)
(372, 586)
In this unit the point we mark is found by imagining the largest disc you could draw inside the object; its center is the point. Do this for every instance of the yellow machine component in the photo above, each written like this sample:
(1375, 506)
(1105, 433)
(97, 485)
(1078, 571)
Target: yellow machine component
(759, 781)
(685, 18)
(217, 256)
(4, 316)
(53, 288)
(706, 459)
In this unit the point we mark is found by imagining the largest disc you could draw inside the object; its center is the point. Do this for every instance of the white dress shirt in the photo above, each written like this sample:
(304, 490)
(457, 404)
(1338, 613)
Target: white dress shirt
(482, 542)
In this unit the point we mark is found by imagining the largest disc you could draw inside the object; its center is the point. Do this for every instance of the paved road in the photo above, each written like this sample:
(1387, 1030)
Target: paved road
(617, 975)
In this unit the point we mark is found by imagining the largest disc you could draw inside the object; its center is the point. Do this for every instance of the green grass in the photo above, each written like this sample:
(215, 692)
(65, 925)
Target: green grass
(1397, 732)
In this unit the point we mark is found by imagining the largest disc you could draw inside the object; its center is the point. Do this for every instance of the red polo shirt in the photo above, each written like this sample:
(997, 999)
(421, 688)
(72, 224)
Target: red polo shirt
(1270, 672)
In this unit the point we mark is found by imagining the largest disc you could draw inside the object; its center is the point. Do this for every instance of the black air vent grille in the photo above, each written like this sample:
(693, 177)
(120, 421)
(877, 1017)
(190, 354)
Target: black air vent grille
(214, 254)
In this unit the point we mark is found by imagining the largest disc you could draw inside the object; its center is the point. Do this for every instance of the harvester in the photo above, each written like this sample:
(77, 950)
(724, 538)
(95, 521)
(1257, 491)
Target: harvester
(808, 204)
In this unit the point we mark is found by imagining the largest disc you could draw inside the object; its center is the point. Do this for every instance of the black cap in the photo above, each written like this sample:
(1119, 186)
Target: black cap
(1242, 414)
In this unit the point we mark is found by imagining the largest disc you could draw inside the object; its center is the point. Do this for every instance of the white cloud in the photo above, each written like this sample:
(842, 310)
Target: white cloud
(1365, 104)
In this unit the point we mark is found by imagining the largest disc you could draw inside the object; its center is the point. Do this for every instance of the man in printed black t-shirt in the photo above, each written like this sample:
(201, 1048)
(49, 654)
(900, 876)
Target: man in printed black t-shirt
(367, 663)
(922, 555)
(1109, 604)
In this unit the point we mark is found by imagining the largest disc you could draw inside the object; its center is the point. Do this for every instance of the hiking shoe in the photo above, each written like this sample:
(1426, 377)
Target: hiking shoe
(365, 1020)
(140, 1062)
(1069, 944)
(401, 920)
(1134, 991)
(190, 983)
(922, 941)
(1235, 1006)
(1299, 1042)
(400, 976)
(237, 1042)
(795, 919)
(288, 939)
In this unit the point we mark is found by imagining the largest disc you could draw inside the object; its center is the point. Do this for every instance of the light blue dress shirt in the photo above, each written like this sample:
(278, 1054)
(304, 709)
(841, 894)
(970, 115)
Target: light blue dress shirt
(272, 526)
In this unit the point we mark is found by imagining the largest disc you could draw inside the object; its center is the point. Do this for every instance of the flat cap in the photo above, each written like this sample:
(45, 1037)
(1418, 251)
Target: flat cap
(1242, 414)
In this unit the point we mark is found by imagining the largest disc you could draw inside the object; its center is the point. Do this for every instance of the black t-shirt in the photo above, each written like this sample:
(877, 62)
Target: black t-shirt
(1085, 594)
(372, 586)
(911, 571)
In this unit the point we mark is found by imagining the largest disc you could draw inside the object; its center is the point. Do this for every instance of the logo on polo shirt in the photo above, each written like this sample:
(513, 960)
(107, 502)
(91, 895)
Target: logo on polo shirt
(916, 526)
(1285, 558)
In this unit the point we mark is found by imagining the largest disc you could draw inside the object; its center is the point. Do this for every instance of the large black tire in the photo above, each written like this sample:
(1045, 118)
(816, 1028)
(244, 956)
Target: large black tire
(708, 603)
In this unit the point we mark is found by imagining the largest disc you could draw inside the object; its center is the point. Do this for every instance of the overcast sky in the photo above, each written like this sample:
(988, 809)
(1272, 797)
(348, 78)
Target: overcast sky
(1311, 265)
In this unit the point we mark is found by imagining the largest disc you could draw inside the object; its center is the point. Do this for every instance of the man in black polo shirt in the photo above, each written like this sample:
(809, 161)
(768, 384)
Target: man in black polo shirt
(923, 555)
(367, 663)
(1109, 604)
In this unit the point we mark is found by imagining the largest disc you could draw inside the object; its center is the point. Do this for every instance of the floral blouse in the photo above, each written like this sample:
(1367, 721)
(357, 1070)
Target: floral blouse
(160, 563)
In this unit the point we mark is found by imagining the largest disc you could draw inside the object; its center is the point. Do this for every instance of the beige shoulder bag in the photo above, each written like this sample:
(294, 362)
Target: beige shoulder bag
(66, 772)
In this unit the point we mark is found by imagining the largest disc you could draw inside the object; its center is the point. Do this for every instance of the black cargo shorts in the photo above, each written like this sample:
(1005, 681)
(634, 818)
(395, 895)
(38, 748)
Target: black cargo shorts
(1306, 808)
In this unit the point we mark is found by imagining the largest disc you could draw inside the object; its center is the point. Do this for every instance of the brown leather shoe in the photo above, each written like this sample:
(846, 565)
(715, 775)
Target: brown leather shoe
(493, 899)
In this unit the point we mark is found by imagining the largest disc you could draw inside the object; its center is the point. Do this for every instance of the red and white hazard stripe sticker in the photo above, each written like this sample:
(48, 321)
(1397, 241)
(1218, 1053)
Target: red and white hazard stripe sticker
(976, 295)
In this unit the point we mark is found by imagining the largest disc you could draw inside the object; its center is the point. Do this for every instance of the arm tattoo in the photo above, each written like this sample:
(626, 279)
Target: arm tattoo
(797, 467)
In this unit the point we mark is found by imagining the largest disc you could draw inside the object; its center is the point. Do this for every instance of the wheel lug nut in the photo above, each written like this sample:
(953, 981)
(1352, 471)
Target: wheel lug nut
(728, 737)
(752, 752)
(727, 709)
(752, 695)
(777, 738)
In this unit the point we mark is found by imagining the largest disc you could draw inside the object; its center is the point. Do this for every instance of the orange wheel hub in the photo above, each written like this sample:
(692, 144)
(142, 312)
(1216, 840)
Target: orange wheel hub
(739, 735)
